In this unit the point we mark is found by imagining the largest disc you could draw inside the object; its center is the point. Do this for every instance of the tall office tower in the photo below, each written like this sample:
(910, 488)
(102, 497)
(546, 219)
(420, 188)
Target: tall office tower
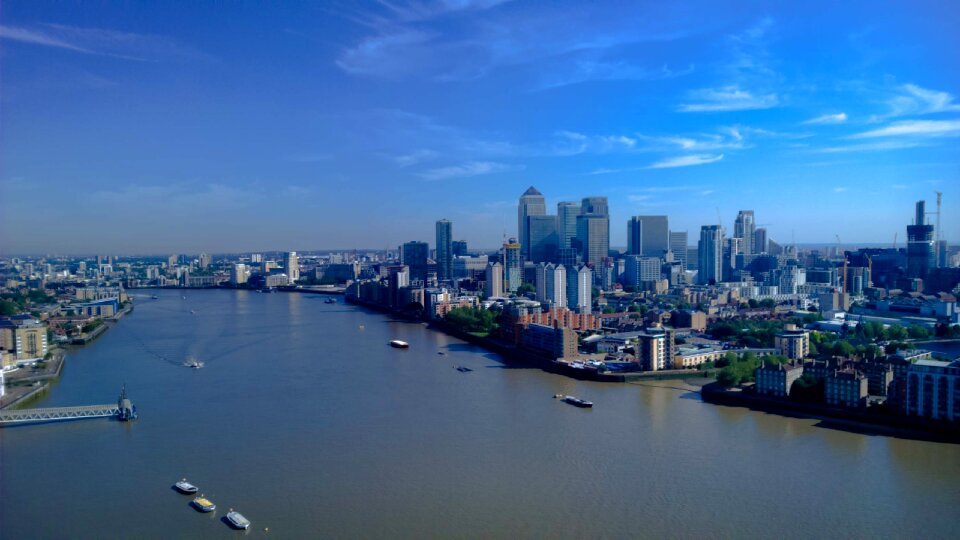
(444, 250)
(172, 261)
(579, 288)
(414, 255)
(759, 241)
(594, 206)
(732, 253)
(493, 287)
(593, 237)
(532, 203)
(459, 248)
(942, 250)
(512, 266)
(678, 246)
(648, 236)
(291, 263)
(567, 213)
(205, 260)
(920, 249)
(710, 254)
(568, 257)
(745, 227)
(639, 269)
(542, 231)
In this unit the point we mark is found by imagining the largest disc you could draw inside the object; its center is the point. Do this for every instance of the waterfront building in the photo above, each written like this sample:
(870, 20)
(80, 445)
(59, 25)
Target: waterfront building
(398, 278)
(690, 358)
(879, 377)
(655, 349)
(415, 255)
(776, 379)
(542, 231)
(744, 228)
(846, 388)
(204, 261)
(792, 342)
(933, 390)
(512, 266)
(648, 236)
(238, 274)
(549, 341)
(291, 264)
(567, 213)
(444, 250)
(100, 293)
(22, 339)
(493, 286)
(459, 248)
(532, 203)
(921, 256)
(579, 288)
(678, 246)
(710, 256)
(271, 281)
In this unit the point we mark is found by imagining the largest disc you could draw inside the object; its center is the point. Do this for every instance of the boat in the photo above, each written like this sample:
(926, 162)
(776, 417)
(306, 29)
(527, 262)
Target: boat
(330, 301)
(203, 504)
(577, 402)
(154, 297)
(237, 521)
(399, 344)
(463, 369)
(185, 487)
(193, 363)
(441, 353)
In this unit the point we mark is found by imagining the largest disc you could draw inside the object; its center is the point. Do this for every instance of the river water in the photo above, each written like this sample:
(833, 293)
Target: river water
(307, 422)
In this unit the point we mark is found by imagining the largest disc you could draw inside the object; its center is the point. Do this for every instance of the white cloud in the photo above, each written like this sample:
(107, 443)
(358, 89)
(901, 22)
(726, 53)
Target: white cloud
(916, 100)
(415, 157)
(686, 161)
(869, 147)
(727, 98)
(919, 128)
(24, 35)
(838, 118)
(102, 42)
(839, 189)
(473, 168)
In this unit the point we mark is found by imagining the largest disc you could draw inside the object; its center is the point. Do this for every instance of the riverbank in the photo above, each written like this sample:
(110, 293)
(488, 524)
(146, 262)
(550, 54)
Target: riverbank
(862, 421)
(27, 382)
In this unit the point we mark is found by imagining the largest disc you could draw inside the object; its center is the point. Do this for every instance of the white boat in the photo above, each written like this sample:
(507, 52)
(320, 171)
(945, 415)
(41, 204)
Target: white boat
(399, 344)
(237, 521)
(185, 487)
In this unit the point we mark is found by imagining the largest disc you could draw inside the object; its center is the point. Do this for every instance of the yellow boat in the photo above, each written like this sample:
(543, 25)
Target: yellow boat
(204, 504)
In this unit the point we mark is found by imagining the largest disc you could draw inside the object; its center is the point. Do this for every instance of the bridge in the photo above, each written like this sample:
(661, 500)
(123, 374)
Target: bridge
(122, 410)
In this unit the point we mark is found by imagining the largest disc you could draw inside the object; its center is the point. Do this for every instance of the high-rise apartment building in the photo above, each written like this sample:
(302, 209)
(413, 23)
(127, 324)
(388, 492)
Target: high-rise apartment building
(580, 288)
(512, 266)
(745, 228)
(567, 213)
(291, 264)
(678, 246)
(238, 274)
(542, 231)
(710, 254)
(760, 241)
(205, 260)
(921, 255)
(493, 286)
(532, 203)
(551, 284)
(648, 236)
(414, 255)
(444, 250)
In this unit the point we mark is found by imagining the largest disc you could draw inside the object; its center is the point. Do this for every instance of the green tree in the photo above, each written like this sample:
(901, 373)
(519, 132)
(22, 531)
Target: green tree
(8, 308)
(918, 332)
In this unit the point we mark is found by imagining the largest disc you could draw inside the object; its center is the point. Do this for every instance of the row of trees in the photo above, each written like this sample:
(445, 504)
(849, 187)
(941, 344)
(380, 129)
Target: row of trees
(473, 320)
(738, 370)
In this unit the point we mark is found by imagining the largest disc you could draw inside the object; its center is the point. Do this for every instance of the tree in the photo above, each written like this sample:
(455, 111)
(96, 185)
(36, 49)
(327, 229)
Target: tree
(728, 377)
(526, 288)
(814, 351)
(918, 332)
(768, 303)
(8, 308)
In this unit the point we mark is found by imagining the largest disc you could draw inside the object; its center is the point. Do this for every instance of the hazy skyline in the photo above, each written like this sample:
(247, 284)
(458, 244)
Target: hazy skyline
(133, 128)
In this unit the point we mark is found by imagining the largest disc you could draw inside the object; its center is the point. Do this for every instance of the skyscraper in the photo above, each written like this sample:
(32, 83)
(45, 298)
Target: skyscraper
(532, 203)
(593, 229)
(678, 246)
(579, 288)
(459, 248)
(291, 264)
(444, 250)
(551, 284)
(414, 255)
(512, 266)
(648, 236)
(759, 241)
(921, 255)
(710, 256)
(542, 231)
(745, 227)
(567, 213)
(494, 280)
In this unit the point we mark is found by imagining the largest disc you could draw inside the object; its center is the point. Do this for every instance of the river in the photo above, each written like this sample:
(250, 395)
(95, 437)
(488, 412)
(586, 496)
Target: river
(308, 423)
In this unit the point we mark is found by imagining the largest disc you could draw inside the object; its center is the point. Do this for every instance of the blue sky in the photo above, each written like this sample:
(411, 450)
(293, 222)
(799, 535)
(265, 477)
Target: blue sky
(210, 126)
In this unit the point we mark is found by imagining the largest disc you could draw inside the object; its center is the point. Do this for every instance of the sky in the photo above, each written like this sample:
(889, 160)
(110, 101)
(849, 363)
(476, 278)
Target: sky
(157, 127)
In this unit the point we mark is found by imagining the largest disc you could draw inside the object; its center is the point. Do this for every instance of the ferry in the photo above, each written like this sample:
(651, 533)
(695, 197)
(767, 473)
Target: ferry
(203, 504)
(577, 402)
(399, 344)
(185, 487)
(237, 521)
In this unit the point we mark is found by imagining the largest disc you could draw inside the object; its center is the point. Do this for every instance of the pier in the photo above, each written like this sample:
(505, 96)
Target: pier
(123, 409)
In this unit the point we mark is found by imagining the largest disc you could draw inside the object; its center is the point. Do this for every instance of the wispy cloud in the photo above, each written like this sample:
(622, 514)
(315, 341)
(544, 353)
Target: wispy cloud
(869, 147)
(415, 157)
(727, 98)
(686, 161)
(599, 70)
(838, 118)
(839, 189)
(914, 128)
(466, 170)
(915, 100)
(102, 42)
(34, 37)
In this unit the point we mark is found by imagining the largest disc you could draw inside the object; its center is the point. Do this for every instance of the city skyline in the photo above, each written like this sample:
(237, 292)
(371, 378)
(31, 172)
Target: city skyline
(128, 130)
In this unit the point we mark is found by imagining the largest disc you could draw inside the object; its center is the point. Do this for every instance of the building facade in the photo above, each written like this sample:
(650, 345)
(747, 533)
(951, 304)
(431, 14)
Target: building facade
(444, 250)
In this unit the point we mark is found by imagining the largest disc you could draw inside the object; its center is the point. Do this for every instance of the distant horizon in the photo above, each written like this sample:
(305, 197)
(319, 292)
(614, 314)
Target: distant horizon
(141, 127)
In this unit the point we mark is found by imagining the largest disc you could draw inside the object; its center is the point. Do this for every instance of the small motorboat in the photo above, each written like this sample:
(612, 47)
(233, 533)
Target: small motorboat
(203, 504)
(237, 521)
(396, 343)
(193, 363)
(154, 297)
(441, 353)
(185, 487)
(463, 369)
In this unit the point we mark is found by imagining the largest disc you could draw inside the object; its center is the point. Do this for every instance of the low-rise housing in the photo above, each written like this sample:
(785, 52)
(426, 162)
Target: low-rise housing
(775, 379)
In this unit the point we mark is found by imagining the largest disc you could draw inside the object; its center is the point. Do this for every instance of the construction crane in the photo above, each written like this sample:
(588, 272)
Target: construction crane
(840, 251)
(937, 231)
(870, 269)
